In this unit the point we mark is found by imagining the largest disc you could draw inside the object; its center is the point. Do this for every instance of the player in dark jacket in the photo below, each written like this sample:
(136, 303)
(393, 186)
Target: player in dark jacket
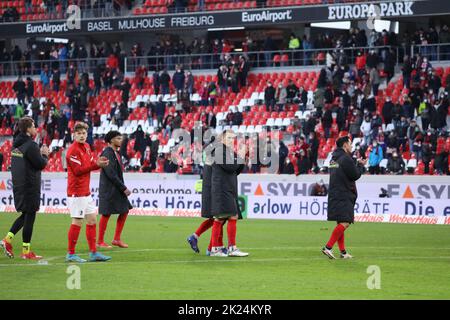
(224, 194)
(206, 202)
(26, 165)
(113, 194)
(342, 193)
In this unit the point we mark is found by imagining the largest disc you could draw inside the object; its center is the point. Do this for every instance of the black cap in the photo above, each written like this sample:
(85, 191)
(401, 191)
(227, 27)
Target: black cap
(111, 135)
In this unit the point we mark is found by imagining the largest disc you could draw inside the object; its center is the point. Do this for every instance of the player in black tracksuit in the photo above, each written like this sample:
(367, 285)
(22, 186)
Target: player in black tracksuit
(26, 165)
(342, 194)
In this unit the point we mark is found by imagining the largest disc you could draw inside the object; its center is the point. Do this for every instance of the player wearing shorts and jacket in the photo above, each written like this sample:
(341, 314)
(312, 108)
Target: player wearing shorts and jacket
(80, 163)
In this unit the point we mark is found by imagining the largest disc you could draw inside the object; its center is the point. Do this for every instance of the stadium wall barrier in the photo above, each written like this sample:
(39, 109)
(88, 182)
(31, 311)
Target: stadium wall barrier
(243, 18)
(415, 199)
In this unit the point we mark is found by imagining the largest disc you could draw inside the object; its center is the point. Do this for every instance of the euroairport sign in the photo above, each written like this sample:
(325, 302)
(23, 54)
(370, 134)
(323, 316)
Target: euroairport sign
(226, 19)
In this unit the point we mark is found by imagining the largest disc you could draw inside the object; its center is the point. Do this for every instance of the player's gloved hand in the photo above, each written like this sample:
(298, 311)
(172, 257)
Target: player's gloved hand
(127, 192)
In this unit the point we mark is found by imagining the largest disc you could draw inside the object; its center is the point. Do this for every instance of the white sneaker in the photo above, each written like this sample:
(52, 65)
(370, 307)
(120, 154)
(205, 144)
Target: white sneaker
(346, 256)
(217, 252)
(328, 253)
(235, 252)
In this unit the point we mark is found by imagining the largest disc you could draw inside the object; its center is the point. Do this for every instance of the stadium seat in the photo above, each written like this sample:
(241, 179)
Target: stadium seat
(276, 60)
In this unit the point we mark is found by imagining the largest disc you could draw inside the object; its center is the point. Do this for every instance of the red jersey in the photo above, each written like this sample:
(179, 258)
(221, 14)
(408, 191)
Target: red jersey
(80, 163)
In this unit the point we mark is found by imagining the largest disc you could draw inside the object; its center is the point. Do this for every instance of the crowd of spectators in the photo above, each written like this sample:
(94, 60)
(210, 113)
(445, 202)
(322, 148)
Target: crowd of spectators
(341, 48)
(345, 100)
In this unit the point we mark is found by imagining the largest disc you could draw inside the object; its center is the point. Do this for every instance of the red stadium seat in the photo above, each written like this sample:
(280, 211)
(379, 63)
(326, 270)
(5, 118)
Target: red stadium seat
(276, 59)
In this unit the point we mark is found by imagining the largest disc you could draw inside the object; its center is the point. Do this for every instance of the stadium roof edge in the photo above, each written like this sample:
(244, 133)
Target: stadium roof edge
(219, 19)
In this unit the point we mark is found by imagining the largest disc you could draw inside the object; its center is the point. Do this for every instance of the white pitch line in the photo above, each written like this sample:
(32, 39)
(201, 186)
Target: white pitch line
(227, 260)
(201, 261)
(253, 249)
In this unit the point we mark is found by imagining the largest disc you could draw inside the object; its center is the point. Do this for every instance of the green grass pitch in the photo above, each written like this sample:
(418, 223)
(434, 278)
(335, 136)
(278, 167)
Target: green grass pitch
(285, 262)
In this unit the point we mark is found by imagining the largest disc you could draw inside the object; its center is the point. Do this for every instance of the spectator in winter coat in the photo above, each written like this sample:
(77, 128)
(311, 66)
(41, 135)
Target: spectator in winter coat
(165, 82)
(280, 96)
(374, 79)
(292, 91)
(269, 97)
(178, 79)
(387, 110)
(360, 64)
(366, 130)
(19, 88)
(189, 83)
(303, 163)
(395, 164)
(30, 90)
(45, 79)
(375, 157)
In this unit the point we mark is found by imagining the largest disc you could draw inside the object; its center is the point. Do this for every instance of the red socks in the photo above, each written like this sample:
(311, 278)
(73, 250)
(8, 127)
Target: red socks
(74, 232)
(104, 223)
(231, 230)
(338, 232)
(102, 228)
(90, 236)
(341, 242)
(220, 237)
(204, 226)
(119, 226)
(215, 234)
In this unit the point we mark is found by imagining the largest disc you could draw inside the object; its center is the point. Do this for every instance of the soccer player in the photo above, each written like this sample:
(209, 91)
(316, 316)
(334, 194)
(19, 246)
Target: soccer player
(342, 194)
(206, 211)
(26, 165)
(224, 197)
(113, 194)
(80, 163)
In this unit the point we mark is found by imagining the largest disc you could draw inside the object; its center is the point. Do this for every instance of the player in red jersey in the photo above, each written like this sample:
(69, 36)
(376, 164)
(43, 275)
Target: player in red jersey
(80, 163)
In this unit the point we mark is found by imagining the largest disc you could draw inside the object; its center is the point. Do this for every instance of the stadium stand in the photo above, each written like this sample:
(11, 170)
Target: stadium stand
(402, 107)
(249, 102)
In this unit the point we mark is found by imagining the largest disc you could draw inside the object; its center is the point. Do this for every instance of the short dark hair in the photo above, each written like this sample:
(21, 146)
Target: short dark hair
(24, 124)
(341, 141)
(111, 135)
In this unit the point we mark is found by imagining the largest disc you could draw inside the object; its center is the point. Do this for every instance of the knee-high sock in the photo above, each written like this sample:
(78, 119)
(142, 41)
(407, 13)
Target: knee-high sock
(215, 234)
(91, 230)
(337, 233)
(341, 243)
(204, 227)
(220, 238)
(74, 232)
(119, 226)
(221, 235)
(102, 228)
(231, 230)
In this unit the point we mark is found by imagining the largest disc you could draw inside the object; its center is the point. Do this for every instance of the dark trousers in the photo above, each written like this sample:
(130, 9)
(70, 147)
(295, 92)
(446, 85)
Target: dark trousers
(25, 221)
(374, 169)
(270, 104)
(375, 89)
(21, 99)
